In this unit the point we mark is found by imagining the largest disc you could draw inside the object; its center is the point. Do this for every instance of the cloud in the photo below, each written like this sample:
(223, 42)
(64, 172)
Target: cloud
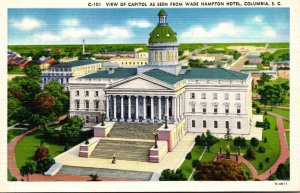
(27, 23)
(224, 29)
(70, 22)
(111, 32)
(139, 23)
(47, 37)
(269, 32)
(74, 33)
(257, 19)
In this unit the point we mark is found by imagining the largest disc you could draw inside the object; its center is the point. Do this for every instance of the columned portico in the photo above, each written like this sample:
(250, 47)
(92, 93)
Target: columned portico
(142, 108)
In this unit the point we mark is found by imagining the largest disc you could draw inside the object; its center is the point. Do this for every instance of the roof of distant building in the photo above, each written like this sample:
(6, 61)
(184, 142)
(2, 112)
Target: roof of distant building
(76, 63)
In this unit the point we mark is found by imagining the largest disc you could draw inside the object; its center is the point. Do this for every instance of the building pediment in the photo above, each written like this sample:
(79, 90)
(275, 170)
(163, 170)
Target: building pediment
(141, 82)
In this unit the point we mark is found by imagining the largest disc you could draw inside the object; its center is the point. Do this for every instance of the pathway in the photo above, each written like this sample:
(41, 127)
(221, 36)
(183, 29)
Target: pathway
(284, 152)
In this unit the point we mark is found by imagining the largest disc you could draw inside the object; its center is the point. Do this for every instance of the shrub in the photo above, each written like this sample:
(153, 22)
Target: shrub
(171, 175)
(267, 159)
(276, 127)
(259, 124)
(188, 156)
(265, 140)
(261, 165)
(258, 110)
(272, 178)
(195, 163)
(266, 124)
(265, 113)
(239, 141)
(250, 154)
(41, 153)
(43, 165)
(254, 105)
(283, 172)
(67, 147)
(261, 149)
(254, 142)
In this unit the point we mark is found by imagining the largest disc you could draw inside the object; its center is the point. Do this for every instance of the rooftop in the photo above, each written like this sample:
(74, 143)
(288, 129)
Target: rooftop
(77, 63)
(193, 73)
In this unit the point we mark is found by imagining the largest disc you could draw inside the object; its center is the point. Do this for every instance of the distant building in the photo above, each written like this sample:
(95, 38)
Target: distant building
(16, 59)
(62, 72)
(45, 62)
(139, 59)
(254, 58)
(280, 64)
(67, 59)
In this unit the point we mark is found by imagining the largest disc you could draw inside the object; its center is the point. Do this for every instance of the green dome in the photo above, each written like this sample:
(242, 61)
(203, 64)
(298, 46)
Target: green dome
(162, 12)
(162, 34)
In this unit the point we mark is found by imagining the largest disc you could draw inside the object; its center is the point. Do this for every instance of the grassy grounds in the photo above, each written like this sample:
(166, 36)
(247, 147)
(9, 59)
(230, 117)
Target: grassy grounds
(12, 133)
(279, 45)
(282, 112)
(225, 45)
(25, 148)
(286, 124)
(287, 135)
(9, 176)
(186, 166)
(246, 171)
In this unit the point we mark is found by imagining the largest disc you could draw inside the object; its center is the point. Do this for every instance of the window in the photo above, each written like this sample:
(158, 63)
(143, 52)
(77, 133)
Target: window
(96, 93)
(238, 96)
(215, 109)
(77, 104)
(87, 104)
(204, 109)
(96, 105)
(86, 93)
(87, 119)
(226, 96)
(215, 96)
(215, 124)
(226, 109)
(239, 125)
(203, 96)
(238, 110)
(192, 95)
(97, 119)
(227, 124)
(204, 124)
(77, 92)
(193, 110)
(193, 123)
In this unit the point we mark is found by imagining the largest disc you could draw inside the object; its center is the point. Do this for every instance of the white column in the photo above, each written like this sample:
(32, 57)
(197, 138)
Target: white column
(152, 109)
(144, 109)
(136, 109)
(159, 109)
(178, 107)
(174, 106)
(122, 108)
(115, 108)
(167, 106)
(107, 108)
(129, 109)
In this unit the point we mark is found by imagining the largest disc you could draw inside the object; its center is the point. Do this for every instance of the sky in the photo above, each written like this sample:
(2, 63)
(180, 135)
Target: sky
(114, 26)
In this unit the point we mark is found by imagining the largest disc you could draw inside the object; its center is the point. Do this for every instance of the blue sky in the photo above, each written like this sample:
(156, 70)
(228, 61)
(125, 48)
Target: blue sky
(101, 26)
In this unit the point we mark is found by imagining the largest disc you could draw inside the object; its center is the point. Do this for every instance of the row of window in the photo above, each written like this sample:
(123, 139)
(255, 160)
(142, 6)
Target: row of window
(169, 56)
(86, 93)
(87, 119)
(87, 104)
(204, 125)
(238, 109)
(138, 63)
(215, 96)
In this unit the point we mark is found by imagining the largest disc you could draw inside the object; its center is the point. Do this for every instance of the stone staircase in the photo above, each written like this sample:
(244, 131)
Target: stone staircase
(108, 173)
(127, 141)
(133, 131)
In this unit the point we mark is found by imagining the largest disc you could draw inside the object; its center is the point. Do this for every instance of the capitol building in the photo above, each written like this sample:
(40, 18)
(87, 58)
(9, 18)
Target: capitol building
(194, 99)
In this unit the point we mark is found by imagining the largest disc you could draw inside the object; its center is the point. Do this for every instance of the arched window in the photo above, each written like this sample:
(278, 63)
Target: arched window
(160, 56)
(167, 56)
(171, 56)
(97, 119)
(156, 57)
(176, 55)
(87, 119)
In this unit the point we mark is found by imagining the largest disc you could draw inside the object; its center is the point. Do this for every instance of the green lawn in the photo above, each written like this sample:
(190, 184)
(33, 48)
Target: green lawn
(225, 45)
(279, 45)
(246, 171)
(12, 133)
(287, 135)
(25, 148)
(9, 176)
(186, 166)
(286, 124)
(282, 112)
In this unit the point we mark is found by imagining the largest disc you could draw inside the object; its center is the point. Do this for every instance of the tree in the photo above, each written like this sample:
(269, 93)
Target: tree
(171, 175)
(41, 153)
(261, 165)
(283, 171)
(33, 70)
(239, 141)
(258, 110)
(43, 165)
(188, 156)
(210, 140)
(250, 154)
(44, 103)
(27, 169)
(263, 79)
(71, 131)
(254, 142)
(201, 140)
(219, 171)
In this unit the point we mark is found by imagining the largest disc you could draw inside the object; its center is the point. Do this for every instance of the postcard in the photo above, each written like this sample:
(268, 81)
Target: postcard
(149, 96)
